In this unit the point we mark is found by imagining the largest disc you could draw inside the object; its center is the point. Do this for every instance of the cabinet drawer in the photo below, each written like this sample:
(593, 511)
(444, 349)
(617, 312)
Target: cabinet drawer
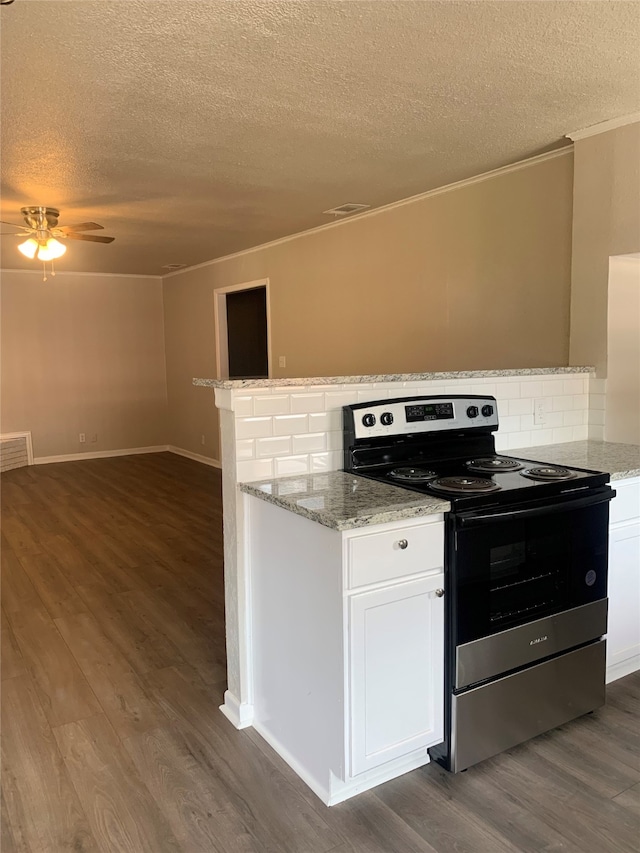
(626, 504)
(378, 557)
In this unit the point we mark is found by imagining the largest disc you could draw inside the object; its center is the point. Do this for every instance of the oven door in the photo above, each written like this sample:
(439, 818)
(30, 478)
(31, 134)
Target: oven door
(515, 565)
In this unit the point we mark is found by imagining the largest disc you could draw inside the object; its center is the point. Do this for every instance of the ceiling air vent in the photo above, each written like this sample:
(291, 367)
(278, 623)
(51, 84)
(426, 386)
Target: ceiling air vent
(346, 209)
(173, 267)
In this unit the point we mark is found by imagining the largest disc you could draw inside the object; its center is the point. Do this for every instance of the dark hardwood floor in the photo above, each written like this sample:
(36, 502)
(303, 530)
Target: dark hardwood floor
(113, 667)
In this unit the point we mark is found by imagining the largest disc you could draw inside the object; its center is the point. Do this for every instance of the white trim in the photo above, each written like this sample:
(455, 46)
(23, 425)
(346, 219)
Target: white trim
(340, 790)
(239, 715)
(622, 668)
(465, 182)
(99, 454)
(603, 127)
(24, 434)
(220, 323)
(60, 273)
(197, 457)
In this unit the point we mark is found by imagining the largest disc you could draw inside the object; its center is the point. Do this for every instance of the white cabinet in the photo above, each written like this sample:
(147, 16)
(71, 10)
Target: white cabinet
(347, 636)
(396, 671)
(623, 636)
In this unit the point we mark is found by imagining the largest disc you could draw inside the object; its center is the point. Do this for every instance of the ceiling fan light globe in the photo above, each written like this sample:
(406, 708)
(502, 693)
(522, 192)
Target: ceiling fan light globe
(51, 250)
(29, 248)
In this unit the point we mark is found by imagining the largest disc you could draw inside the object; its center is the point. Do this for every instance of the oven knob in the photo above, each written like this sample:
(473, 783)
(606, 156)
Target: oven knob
(369, 420)
(487, 411)
(472, 412)
(386, 418)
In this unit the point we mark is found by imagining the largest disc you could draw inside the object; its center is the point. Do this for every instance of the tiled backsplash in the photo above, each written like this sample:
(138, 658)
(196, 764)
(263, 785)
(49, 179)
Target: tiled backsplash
(282, 430)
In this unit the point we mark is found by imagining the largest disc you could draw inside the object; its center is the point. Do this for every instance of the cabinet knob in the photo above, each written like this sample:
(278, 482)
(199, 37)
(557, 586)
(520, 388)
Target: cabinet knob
(402, 544)
(439, 593)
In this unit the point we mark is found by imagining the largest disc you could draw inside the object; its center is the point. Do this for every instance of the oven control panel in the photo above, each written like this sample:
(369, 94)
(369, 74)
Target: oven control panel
(411, 415)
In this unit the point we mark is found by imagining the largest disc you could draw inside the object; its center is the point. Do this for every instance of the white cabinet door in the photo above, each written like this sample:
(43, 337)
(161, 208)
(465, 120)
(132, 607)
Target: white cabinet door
(396, 671)
(623, 636)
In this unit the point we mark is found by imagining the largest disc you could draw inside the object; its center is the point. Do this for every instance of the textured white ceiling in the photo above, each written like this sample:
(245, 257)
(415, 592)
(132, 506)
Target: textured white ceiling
(191, 130)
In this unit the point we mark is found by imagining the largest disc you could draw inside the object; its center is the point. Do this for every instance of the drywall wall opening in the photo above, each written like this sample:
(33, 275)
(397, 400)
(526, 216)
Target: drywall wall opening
(242, 329)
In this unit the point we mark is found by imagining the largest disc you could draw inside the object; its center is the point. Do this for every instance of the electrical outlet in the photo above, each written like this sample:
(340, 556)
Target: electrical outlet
(94, 437)
(82, 438)
(539, 412)
(201, 439)
(282, 361)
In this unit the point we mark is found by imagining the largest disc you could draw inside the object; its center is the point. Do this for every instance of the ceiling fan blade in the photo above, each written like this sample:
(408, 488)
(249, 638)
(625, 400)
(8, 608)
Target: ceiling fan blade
(15, 225)
(92, 238)
(82, 226)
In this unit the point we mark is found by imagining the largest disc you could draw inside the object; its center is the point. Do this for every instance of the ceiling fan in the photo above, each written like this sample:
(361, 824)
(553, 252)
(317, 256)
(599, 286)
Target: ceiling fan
(44, 233)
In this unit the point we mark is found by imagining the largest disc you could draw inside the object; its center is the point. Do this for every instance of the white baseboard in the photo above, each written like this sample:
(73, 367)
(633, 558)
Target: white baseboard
(23, 434)
(239, 714)
(197, 457)
(622, 668)
(99, 454)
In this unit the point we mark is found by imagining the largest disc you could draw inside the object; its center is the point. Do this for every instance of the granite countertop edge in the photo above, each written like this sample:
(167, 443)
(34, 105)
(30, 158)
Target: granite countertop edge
(416, 506)
(282, 382)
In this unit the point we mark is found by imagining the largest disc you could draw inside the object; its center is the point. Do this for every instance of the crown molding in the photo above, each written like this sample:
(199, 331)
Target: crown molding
(61, 274)
(603, 127)
(358, 217)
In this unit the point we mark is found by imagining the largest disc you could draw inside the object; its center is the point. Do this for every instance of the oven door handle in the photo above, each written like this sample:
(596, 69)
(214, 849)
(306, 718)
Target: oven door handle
(467, 519)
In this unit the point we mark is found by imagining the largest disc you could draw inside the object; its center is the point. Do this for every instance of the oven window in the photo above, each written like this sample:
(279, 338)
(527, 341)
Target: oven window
(510, 572)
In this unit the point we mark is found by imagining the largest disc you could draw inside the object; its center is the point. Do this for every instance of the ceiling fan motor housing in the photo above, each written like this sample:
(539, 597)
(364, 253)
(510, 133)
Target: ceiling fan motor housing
(40, 218)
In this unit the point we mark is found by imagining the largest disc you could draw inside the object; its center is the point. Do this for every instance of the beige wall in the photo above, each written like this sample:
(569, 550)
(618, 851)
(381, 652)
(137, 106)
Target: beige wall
(83, 353)
(190, 351)
(606, 222)
(622, 406)
(476, 277)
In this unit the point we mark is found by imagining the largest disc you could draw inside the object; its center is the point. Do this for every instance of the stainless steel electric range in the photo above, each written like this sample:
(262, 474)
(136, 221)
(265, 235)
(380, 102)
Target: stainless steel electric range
(525, 568)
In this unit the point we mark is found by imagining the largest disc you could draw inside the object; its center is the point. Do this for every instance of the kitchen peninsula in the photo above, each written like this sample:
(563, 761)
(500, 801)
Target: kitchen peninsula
(278, 428)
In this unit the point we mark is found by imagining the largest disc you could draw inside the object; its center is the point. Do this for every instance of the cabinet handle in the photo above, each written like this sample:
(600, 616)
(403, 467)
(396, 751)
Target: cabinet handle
(402, 544)
(439, 593)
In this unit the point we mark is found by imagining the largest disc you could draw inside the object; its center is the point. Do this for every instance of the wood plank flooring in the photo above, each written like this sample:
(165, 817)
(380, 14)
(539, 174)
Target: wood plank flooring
(113, 667)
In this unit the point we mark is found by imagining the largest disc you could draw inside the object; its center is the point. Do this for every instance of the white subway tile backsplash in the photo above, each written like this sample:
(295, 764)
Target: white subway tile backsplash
(331, 460)
(503, 408)
(271, 405)
(507, 390)
(254, 469)
(561, 434)
(596, 417)
(290, 424)
(278, 446)
(510, 424)
(553, 420)
(573, 386)
(253, 427)
(596, 432)
(544, 436)
(531, 389)
(580, 401)
(560, 404)
(310, 443)
(552, 388)
(580, 433)
(519, 439)
(245, 448)
(305, 403)
(243, 407)
(597, 401)
(337, 399)
(521, 406)
(319, 421)
(573, 418)
(502, 442)
(288, 465)
(374, 394)
(597, 386)
(334, 440)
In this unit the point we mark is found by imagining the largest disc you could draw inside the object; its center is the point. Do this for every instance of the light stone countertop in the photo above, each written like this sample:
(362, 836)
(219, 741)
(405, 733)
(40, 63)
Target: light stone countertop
(619, 460)
(343, 501)
(232, 384)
